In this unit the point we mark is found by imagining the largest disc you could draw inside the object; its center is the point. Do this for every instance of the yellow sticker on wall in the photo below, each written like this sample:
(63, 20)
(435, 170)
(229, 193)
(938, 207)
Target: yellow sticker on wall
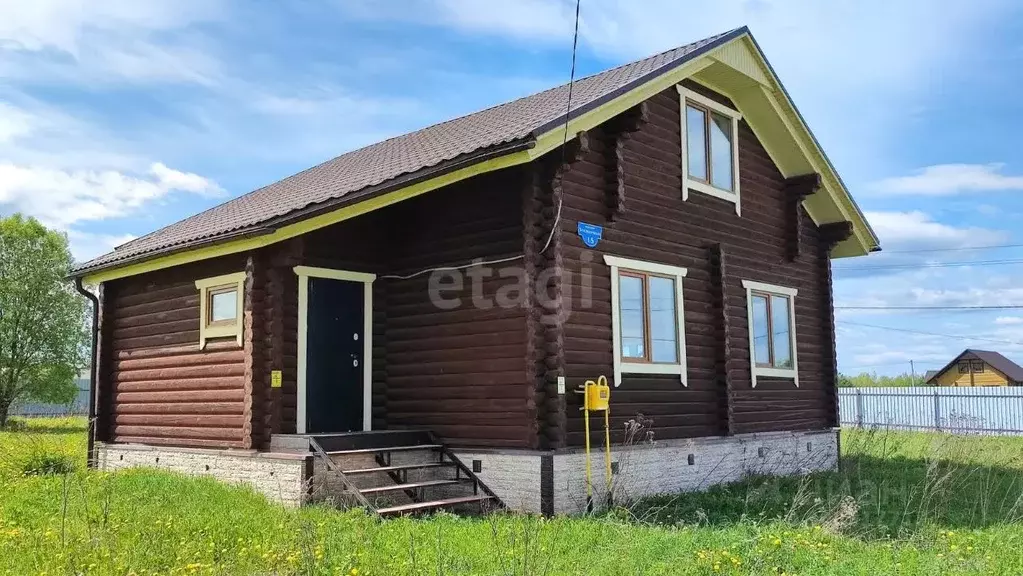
(275, 379)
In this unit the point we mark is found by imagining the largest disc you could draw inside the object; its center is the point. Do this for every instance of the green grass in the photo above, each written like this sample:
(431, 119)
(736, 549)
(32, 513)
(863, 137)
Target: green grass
(902, 504)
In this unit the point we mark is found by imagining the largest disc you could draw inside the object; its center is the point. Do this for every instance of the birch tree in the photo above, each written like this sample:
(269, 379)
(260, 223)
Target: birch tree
(43, 332)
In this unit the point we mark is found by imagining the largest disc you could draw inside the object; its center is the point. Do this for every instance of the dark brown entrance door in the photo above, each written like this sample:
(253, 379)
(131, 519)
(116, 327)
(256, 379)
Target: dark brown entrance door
(334, 356)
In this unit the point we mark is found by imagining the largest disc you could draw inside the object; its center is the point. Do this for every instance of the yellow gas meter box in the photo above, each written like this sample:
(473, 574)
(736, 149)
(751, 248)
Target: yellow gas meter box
(598, 394)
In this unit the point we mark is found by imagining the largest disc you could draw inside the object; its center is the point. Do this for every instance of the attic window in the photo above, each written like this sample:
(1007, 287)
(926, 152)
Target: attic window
(710, 147)
(220, 307)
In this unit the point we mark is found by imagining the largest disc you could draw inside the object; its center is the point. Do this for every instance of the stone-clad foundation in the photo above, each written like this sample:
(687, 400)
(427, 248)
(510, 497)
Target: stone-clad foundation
(661, 467)
(528, 481)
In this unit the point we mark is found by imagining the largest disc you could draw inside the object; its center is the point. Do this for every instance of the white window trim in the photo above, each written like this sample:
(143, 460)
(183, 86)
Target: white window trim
(207, 332)
(678, 273)
(304, 273)
(793, 373)
(735, 115)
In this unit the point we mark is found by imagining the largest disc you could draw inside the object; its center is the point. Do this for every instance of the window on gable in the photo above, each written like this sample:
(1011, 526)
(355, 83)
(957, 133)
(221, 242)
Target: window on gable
(710, 148)
(772, 330)
(964, 367)
(220, 307)
(647, 318)
(977, 366)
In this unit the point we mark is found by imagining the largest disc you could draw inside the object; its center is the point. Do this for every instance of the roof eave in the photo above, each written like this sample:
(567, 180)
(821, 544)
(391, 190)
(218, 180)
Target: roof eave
(872, 242)
(272, 225)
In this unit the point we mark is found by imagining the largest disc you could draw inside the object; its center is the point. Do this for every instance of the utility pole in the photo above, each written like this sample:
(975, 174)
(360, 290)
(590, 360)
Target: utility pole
(912, 373)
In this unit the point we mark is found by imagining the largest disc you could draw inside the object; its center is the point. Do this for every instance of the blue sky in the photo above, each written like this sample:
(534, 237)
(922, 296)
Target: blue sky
(117, 118)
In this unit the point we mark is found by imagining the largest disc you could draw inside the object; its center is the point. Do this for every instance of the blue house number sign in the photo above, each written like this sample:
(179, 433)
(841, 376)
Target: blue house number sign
(590, 233)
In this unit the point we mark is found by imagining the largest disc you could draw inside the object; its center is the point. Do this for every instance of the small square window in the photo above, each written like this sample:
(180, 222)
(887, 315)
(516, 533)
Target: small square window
(977, 366)
(964, 367)
(223, 305)
(220, 307)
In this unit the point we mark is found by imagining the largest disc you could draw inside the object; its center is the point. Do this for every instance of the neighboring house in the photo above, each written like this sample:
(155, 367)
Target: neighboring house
(690, 214)
(978, 368)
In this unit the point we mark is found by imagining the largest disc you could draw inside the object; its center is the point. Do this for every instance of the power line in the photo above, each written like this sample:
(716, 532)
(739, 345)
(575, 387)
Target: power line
(925, 265)
(959, 249)
(999, 307)
(921, 332)
(903, 362)
(564, 146)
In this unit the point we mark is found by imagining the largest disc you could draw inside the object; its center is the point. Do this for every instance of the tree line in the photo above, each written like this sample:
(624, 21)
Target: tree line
(873, 380)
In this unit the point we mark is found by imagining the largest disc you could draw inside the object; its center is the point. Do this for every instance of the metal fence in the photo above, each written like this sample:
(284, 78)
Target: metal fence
(77, 407)
(957, 410)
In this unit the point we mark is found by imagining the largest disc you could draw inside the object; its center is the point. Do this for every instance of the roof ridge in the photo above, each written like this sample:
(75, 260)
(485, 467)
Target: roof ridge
(408, 153)
(559, 86)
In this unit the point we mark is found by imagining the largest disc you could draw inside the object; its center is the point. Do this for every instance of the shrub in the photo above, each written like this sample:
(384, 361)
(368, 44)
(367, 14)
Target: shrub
(46, 464)
(15, 425)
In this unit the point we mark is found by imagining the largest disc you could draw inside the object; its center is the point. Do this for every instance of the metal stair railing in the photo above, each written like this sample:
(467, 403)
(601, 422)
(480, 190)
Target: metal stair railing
(349, 487)
(460, 466)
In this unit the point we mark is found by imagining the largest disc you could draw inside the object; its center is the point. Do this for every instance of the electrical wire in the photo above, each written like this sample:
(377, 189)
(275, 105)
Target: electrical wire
(568, 117)
(557, 217)
(923, 333)
(925, 265)
(450, 268)
(959, 249)
(901, 363)
(999, 307)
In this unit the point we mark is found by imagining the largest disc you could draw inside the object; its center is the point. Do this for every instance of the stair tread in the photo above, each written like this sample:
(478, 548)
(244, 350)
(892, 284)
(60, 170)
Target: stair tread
(417, 506)
(411, 485)
(384, 449)
(399, 467)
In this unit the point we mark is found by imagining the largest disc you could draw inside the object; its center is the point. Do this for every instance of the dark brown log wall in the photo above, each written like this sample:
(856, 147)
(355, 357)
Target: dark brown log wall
(652, 223)
(459, 371)
(162, 388)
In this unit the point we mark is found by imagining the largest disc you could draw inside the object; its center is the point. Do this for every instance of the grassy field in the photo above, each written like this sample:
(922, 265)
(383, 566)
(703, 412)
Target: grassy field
(902, 504)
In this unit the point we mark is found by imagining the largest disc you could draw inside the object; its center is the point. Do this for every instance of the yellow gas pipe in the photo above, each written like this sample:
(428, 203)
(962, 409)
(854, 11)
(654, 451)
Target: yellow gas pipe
(596, 397)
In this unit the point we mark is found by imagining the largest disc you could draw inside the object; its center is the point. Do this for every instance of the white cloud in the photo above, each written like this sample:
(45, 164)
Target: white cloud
(14, 123)
(918, 230)
(529, 19)
(86, 246)
(64, 24)
(907, 290)
(950, 179)
(170, 179)
(60, 198)
(66, 171)
(104, 40)
(1009, 321)
(324, 102)
(921, 353)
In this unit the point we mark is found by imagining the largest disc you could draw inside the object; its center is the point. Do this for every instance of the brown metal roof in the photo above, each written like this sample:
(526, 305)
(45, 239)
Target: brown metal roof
(396, 159)
(1012, 371)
